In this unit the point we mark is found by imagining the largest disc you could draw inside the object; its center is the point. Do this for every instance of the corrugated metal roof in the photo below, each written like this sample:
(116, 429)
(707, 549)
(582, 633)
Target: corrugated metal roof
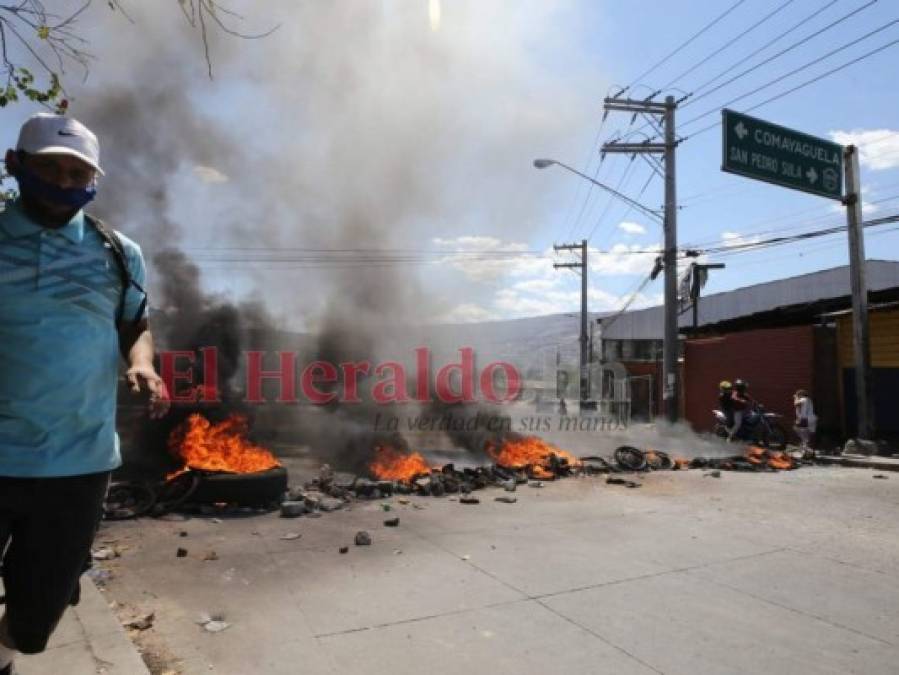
(648, 324)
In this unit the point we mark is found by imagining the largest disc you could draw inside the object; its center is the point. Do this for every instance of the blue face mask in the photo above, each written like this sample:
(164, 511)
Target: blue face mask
(35, 186)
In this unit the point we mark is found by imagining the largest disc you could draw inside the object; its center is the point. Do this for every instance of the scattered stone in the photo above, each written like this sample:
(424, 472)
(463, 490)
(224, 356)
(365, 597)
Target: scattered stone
(397, 551)
(105, 553)
(386, 507)
(344, 480)
(328, 504)
(295, 495)
(216, 521)
(859, 446)
(714, 474)
(292, 509)
(363, 538)
(506, 500)
(213, 623)
(392, 522)
(181, 553)
(142, 622)
(182, 533)
(467, 499)
(465, 557)
(509, 485)
(290, 536)
(210, 556)
(216, 626)
(325, 474)
(99, 575)
(880, 475)
(312, 500)
(344, 549)
(622, 481)
(536, 483)
(404, 500)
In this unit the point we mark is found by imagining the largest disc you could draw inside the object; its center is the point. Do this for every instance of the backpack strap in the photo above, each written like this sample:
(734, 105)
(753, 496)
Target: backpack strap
(112, 241)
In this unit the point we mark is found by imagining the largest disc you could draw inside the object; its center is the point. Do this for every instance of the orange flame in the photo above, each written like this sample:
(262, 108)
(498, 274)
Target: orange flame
(391, 464)
(202, 445)
(528, 451)
(773, 458)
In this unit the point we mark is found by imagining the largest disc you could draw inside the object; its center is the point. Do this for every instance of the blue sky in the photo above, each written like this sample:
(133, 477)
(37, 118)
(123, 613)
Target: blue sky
(424, 129)
(628, 38)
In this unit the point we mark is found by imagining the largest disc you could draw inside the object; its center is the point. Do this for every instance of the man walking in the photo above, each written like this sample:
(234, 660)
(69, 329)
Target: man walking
(71, 300)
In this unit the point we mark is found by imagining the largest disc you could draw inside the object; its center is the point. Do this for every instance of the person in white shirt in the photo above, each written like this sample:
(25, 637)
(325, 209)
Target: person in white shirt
(806, 422)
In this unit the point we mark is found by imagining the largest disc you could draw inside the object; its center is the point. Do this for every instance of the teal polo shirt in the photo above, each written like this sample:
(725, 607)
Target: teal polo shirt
(59, 356)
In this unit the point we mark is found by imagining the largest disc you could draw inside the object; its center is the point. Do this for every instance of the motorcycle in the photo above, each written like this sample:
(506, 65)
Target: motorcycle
(759, 427)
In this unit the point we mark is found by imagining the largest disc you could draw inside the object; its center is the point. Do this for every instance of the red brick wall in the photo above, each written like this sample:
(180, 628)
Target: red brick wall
(775, 361)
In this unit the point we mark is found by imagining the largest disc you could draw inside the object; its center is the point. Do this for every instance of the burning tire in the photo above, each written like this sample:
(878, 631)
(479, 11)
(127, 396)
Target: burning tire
(630, 458)
(245, 489)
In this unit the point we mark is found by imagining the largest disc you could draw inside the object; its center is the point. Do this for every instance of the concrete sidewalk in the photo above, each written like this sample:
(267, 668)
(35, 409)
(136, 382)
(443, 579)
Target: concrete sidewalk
(89, 641)
(791, 573)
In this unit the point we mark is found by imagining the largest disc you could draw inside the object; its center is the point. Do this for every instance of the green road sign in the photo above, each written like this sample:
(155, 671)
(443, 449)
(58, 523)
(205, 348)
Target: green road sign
(764, 151)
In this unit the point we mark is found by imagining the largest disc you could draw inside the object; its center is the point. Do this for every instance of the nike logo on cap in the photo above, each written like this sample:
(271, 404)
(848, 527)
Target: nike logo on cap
(66, 133)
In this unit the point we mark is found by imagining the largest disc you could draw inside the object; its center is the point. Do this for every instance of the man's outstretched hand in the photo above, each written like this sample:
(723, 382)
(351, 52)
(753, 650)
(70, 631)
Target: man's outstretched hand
(144, 378)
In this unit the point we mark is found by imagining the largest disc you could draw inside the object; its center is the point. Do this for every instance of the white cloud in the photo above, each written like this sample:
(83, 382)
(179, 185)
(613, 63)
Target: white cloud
(466, 313)
(528, 285)
(464, 254)
(868, 208)
(624, 259)
(537, 285)
(737, 239)
(878, 148)
(631, 228)
(209, 174)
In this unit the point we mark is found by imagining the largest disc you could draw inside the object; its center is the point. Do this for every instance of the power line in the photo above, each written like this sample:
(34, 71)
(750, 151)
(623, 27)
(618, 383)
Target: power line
(630, 208)
(778, 241)
(799, 86)
(827, 55)
(590, 154)
(731, 42)
(802, 22)
(781, 53)
(736, 64)
(683, 45)
(618, 188)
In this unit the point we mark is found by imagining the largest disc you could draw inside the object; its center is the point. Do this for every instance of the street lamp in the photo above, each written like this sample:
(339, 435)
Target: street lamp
(544, 163)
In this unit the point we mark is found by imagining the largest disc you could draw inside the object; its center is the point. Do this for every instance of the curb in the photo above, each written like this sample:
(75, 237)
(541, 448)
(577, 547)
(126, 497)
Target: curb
(103, 641)
(861, 462)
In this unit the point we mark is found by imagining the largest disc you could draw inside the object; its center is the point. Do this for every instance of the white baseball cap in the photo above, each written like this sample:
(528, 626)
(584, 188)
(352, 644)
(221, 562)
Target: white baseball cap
(45, 134)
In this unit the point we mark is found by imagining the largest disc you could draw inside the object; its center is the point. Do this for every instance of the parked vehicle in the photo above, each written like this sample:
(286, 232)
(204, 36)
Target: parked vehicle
(759, 427)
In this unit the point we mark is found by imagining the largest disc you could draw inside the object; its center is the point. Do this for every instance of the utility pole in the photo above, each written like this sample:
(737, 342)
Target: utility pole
(584, 340)
(861, 338)
(664, 111)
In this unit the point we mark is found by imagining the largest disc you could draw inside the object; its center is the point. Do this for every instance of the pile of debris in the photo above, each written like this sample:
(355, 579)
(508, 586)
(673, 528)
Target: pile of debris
(754, 458)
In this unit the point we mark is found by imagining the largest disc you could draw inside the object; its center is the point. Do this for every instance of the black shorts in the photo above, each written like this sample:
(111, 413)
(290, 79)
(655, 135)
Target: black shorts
(49, 525)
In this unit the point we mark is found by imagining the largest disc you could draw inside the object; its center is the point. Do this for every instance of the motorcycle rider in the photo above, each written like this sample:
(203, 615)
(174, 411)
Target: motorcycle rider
(726, 403)
(743, 405)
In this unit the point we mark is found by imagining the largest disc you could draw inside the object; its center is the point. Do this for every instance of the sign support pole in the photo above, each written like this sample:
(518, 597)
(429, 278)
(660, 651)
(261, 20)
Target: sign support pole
(861, 338)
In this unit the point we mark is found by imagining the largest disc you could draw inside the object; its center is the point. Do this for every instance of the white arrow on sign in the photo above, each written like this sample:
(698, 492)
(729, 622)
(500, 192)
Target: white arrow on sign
(812, 175)
(741, 130)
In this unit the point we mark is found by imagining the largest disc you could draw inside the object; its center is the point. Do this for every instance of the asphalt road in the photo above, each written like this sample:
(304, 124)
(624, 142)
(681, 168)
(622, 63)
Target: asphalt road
(792, 572)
